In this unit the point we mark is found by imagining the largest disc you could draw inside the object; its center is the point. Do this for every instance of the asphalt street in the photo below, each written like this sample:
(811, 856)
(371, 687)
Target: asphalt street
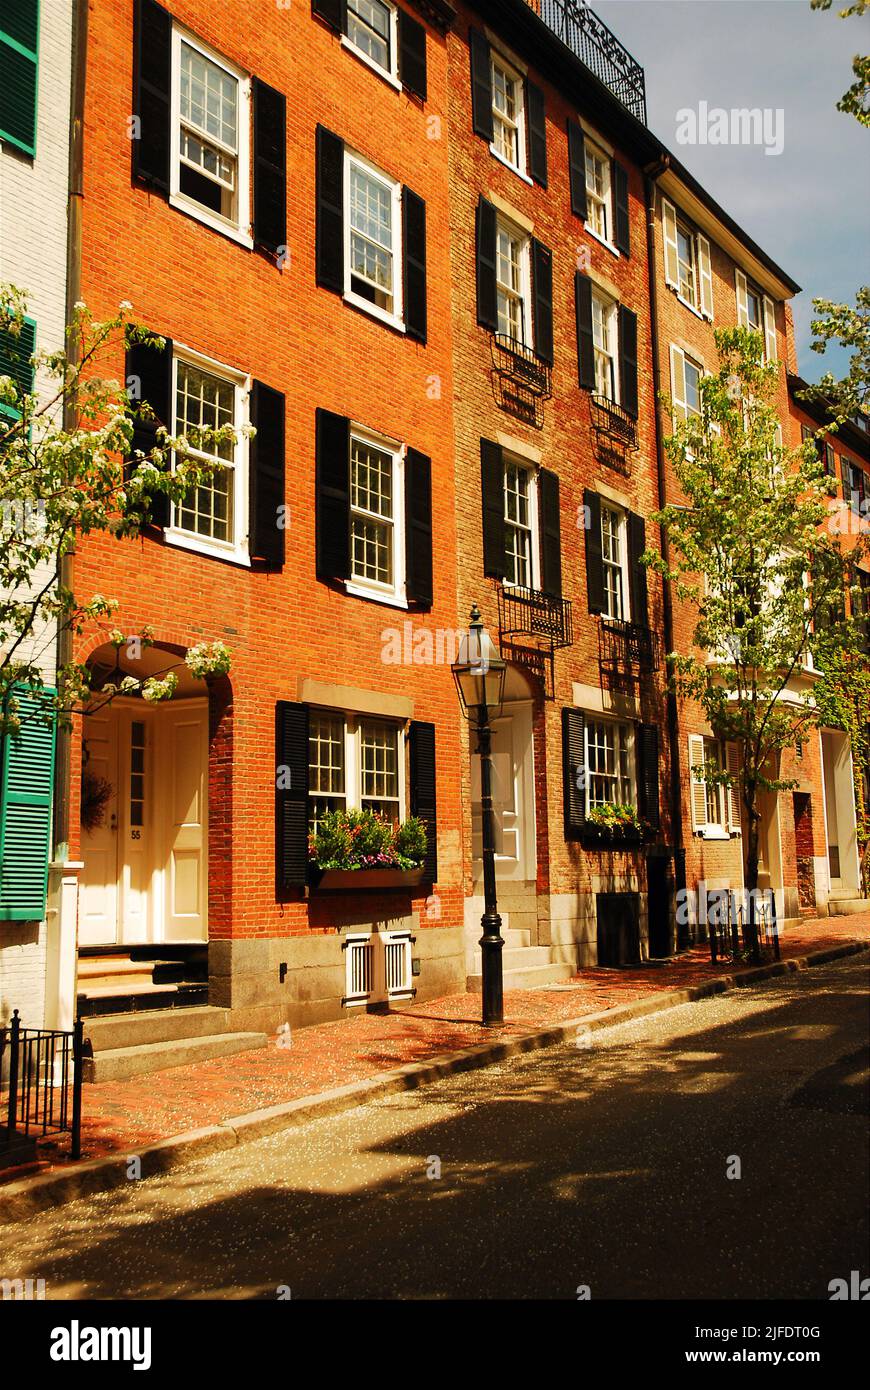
(718, 1150)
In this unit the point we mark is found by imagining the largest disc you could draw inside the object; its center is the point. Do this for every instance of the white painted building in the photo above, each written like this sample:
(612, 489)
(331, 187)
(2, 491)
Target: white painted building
(35, 76)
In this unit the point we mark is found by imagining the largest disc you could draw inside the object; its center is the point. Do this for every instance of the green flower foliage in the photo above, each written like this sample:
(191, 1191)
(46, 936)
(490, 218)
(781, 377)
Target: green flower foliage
(366, 840)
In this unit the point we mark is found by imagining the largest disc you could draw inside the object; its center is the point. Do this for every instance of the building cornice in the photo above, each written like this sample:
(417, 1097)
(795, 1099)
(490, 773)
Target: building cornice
(440, 14)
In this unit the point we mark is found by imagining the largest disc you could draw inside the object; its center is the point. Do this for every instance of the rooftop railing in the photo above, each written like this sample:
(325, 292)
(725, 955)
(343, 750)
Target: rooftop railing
(594, 44)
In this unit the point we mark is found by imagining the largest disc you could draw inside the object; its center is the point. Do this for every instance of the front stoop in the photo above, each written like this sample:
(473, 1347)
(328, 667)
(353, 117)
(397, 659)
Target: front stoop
(844, 907)
(118, 1046)
(525, 966)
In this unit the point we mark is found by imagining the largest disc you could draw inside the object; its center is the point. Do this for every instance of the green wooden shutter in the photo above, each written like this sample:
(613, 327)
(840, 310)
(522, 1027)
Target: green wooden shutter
(15, 355)
(26, 781)
(19, 39)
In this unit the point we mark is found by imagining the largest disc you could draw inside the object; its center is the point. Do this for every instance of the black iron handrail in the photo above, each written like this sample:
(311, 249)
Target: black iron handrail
(590, 40)
(530, 612)
(729, 924)
(43, 1082)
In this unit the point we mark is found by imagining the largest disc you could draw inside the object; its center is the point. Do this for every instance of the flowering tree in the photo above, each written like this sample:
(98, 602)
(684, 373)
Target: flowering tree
(60, 481)
(752, 551)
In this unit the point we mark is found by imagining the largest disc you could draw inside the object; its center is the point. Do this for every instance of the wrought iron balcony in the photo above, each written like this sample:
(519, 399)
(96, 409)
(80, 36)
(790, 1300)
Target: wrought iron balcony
(516, 362)
(623, 644)
(531, 613)
(590, 40)
(614, 433)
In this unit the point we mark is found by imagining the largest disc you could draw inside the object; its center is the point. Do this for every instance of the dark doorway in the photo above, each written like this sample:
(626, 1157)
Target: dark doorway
(658, 905)
(618, 929)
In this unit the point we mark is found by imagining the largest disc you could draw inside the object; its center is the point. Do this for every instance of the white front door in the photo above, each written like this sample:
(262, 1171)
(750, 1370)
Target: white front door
(144, 876)
(184, 734)
(98, 897)
(512, 796)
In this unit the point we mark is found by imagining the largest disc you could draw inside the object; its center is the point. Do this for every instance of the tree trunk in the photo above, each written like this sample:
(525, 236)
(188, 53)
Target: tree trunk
(751, 869)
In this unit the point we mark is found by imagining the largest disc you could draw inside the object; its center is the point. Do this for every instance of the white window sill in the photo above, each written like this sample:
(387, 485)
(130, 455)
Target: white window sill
(713, 832)
(692, 308)
(357, 589)
(614, 250)
(210, 219)
(376, 312)
(388, 77)
(514, 168)
(213, 549)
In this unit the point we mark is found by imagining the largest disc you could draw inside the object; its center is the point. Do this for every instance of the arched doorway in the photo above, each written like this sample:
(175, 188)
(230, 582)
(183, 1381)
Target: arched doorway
(144, 810)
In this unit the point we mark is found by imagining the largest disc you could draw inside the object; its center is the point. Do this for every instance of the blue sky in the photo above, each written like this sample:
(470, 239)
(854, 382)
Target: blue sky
(808, 207)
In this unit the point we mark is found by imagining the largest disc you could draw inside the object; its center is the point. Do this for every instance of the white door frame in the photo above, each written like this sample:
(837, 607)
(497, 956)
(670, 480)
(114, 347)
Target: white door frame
(523, 868)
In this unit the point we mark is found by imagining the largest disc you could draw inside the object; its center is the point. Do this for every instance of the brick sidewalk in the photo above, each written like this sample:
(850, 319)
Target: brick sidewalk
(126, 1116)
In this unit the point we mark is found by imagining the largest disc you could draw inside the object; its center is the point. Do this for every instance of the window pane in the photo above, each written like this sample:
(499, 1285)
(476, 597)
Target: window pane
(509, 277)
(611, 554)
(371, 512)
(206, 402)
(518, 535)
(505, 114)
(371, 245)
(325, 766)
(693, 395)
(208, 97)
(379, 768)
(368, 28)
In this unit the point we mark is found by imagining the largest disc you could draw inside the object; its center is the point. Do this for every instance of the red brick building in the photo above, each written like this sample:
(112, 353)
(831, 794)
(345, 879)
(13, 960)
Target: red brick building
(284, 224)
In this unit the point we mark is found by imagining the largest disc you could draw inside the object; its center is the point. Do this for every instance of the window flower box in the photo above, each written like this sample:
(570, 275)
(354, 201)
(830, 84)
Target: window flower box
(355, 880)
(615, 827)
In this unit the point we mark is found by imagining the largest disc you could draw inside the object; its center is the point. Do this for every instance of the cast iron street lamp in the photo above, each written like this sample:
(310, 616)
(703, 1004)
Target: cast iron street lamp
(479, 672)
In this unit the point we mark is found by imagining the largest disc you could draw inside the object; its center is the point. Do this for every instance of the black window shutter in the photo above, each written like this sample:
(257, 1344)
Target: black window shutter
(270, 167)
(266, 475)
(594, 560)
(637, 571)
(622, 235)
(574, 771)
(414, 252)
(329, 240)
(412, 55)
(333, 495)
(492, 489)
(481, 85)
(149, 378)
(628, 359)
(577, 168)
(551, 538)
(648, 773)
(418, 528)
(291, 801)
(152, 67)
(585, 341)
(423, 794)
(487, 293)
(542, 281)
(332, 12)
(536, 106)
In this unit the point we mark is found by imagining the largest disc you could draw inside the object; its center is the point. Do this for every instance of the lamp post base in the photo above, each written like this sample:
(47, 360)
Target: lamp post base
(491, 947)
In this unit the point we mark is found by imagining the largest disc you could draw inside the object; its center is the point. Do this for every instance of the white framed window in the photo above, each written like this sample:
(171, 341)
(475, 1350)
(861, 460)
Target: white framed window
(210, 137)
(213, 515)
(522, 561)
(688, 267)
(614, 559)
(372, 33)
(373, 240)
(508, 114)
(755, 310)
(377, 520)
(599, 195)
(610, 763)
(715, 809)
(356, 762)
(686, 376)
(604, 338)
(513, 282)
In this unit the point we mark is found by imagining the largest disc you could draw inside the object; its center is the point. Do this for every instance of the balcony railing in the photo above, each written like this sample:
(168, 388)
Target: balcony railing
(512, 359)
(590, 40)
(530, 613)
(628, 644)
(614, 433)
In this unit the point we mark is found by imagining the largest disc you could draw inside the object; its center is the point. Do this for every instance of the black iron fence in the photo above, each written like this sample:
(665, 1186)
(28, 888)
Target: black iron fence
(741, 923)
(594, 44)
(40, 1083)
(622, 644)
